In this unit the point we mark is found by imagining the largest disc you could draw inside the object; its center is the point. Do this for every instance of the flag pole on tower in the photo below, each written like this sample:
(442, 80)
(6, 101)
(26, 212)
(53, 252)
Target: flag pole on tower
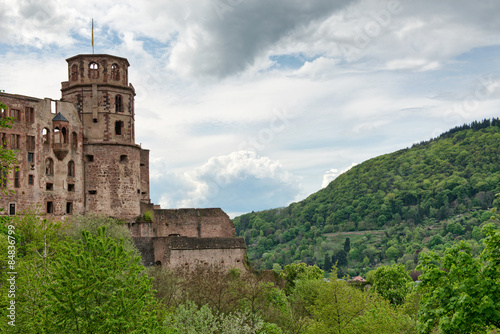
(92, 36)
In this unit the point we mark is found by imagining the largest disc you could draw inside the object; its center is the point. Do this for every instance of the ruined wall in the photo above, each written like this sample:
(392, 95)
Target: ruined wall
(189, 237)
(195, 223)
(188, 252)
(47, 136)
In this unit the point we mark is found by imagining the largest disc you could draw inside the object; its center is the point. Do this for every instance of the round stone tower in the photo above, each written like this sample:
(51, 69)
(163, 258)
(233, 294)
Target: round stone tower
(98, 86)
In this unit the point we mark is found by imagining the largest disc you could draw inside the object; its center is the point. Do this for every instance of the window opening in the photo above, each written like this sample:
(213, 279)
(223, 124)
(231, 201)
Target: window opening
(64, 137)
(12, 209)
(115, 72)
(15, 114)
(49, 186)
(69, 208)
(118, 128)
(71, 187)
(57, 136)
(31, 180)
(92, 192)
(30, 143)
(71, 168)
(16, 177)
(118, 103)
(45, 136)
(90, 157)
(53, 107)
(123, 158)
(31, 157)
(49, 166)
(74, 140)
(94, 70)
(50, 207)
(15, 141)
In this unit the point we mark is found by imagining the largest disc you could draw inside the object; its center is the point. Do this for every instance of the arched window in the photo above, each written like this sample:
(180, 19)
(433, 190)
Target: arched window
(118, 128)
(71, 168)
(49, 166)
(115, 72)
(74, 140)
(118, 103)
(74, 72)
(46, 136)
(93, 70)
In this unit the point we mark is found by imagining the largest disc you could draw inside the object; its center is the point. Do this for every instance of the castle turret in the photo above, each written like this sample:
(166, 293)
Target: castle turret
(98, 86)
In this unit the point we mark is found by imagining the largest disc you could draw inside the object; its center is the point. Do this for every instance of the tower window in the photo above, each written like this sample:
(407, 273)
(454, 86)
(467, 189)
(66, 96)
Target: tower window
(92, 192)
(49, 186)
(93, 70)
(123, 158)
(71, 187)
(71, 168)
(12, 209)
(115, 72)
(118, 103)
(31, 180)
(31, 157)
(49, 166)
(90, 157)
(118, 128)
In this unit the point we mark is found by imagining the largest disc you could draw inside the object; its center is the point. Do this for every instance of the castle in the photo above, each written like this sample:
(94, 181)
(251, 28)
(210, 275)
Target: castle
(78, 155)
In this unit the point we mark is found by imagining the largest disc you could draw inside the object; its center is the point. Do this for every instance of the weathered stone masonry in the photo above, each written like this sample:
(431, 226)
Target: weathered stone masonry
(78, 155)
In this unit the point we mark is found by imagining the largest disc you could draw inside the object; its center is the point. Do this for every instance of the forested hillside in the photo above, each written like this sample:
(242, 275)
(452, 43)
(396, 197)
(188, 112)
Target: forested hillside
(388, 208)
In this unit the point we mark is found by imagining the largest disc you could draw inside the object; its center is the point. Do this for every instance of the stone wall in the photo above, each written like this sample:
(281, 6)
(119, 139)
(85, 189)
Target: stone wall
(189, 237)
(47, 136)
(112, 181)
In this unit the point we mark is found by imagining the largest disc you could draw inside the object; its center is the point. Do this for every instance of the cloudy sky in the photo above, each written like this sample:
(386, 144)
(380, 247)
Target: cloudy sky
(253, 104)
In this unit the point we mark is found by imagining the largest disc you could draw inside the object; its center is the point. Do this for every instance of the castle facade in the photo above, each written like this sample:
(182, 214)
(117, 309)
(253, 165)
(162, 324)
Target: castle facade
(78, 155)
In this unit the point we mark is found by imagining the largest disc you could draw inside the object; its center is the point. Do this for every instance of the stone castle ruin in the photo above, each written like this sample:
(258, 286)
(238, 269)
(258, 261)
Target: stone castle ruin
(78, 155)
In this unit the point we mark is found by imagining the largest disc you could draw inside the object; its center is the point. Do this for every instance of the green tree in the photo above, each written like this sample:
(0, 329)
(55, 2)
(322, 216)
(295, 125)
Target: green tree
(347, 245)
(7, 156)
(460, 292)
(97, 287)
(299, 271)
(392, 283)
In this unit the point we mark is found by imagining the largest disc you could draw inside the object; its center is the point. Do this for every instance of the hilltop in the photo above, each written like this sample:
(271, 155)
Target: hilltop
(389, 208)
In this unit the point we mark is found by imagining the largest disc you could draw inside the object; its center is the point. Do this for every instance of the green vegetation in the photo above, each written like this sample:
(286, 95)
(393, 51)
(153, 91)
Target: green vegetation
(91, 284)
(7, 157)
(391, 207)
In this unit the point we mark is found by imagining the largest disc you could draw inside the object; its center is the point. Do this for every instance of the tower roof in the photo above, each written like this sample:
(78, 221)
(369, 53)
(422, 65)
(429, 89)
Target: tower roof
(59, 117)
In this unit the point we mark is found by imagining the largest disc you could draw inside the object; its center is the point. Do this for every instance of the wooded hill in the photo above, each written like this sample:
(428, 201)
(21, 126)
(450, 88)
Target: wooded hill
(389, 208)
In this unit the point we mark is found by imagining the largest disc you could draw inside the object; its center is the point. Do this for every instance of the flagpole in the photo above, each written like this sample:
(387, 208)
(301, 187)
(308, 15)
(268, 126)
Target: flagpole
(92, 36)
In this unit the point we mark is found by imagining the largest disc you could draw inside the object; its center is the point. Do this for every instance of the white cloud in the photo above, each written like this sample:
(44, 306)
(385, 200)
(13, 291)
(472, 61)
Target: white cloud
(234, 182)
(333, 173)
